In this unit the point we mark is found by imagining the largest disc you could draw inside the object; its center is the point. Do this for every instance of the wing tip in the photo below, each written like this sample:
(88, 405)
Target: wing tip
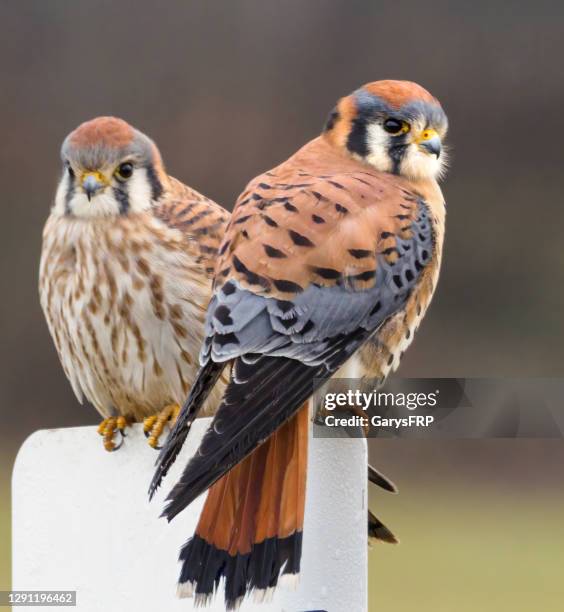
(376, 477)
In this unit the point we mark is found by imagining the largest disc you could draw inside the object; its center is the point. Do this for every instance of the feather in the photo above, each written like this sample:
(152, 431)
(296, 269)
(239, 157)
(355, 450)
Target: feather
(377, 531)
(380, 480)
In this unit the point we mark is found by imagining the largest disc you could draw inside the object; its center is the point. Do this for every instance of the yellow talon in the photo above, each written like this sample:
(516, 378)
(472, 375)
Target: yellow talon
(108, 428)
(154, 425)
(102, 427)
(148, 423)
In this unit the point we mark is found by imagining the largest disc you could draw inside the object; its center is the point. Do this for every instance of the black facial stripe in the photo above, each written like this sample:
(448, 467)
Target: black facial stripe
(396, 150)
(121, 195)
(369, 108)
(356, 142)
(71, 187)
(156, 186)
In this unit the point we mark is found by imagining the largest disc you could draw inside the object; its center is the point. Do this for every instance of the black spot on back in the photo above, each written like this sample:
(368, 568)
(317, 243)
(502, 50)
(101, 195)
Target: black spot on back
(360, 253)
(251, 277)
(196, 218)
(318, 196)
(299, 239)
(363, 276)
(287, 286)
(273, 252)
(328, 273)
(269, 221)
(335, 184)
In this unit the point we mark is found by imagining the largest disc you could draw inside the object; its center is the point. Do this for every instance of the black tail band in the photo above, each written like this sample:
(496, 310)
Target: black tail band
(203, 565)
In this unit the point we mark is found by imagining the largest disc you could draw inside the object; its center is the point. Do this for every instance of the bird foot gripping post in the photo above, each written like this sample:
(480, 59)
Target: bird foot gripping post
(82, 522)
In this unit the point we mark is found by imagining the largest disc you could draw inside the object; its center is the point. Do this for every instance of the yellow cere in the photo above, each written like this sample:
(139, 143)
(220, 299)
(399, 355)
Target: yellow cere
(97, 175)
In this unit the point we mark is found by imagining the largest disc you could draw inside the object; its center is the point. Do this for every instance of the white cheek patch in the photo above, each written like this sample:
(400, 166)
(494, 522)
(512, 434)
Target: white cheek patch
(377, 141)
(139, 190)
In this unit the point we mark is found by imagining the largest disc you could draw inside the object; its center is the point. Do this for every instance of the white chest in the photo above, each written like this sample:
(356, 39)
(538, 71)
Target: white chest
(124, 305)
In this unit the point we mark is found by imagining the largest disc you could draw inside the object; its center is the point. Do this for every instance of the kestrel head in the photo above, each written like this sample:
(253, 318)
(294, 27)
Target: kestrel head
(395, 126)
(109, 168)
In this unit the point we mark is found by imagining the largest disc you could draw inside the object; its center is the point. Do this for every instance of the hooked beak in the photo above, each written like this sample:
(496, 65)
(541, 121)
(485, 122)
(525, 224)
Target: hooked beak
(430, 142)
(91, 183)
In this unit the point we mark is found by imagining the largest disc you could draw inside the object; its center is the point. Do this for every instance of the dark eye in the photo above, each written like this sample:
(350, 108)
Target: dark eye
(125, 170)
(396, 126)
(70, 170)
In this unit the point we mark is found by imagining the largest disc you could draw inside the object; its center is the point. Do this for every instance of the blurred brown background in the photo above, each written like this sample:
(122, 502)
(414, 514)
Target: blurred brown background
(228, 89)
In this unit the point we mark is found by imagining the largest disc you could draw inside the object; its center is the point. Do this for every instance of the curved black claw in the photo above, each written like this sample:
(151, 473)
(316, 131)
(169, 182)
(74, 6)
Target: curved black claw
(120, 444)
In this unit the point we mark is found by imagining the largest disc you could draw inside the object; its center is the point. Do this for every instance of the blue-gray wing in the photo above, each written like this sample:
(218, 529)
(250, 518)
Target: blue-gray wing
(303, 324)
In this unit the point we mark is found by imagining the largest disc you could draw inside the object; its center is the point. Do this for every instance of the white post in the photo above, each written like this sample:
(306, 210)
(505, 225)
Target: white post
(82, 522)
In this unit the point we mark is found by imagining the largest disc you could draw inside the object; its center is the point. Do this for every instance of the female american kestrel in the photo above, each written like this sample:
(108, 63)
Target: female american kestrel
(336, 250)
(125, 276)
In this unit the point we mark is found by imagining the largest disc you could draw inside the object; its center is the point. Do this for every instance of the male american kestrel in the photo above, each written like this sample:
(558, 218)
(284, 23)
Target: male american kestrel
(125, 276)
(335, 251)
